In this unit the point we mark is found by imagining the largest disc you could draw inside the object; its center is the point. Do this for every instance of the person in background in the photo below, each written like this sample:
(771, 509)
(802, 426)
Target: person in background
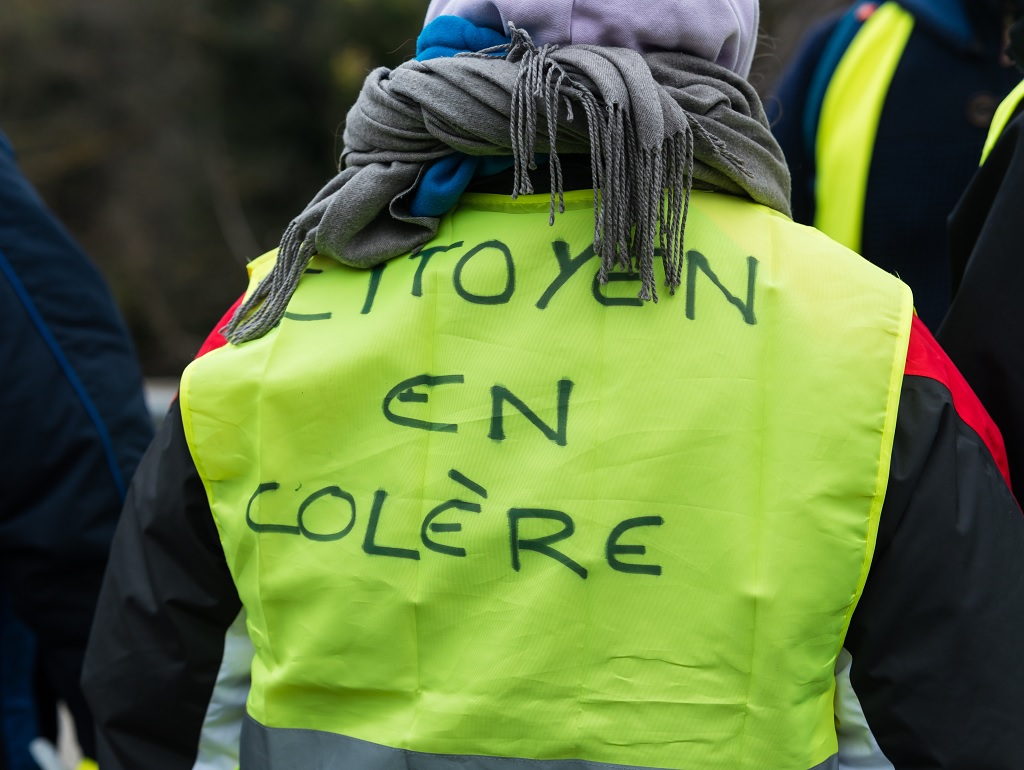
(882, 116)
(983, 332)
(74, 426)
(627, 470)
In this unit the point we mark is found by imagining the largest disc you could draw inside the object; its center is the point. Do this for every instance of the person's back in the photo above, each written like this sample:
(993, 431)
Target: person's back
(485, 503)
(534, 494)
(882, 116)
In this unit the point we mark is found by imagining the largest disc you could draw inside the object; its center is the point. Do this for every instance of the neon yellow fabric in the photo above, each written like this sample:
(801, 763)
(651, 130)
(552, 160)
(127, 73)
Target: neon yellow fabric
(477, 503)
(88, 764)
(850, 113)
(1004, 113)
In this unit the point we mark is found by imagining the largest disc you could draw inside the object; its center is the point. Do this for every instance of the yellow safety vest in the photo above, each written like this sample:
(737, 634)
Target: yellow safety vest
(850, 112)
(1004, 114)
(477, 504)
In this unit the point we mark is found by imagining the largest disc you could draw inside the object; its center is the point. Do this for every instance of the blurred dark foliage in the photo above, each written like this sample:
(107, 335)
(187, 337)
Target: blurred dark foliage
(176, 140)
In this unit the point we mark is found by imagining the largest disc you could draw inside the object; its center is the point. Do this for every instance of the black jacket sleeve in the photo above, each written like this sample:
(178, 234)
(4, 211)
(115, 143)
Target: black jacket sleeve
(937, 636)
(166, 604)
(984, 331)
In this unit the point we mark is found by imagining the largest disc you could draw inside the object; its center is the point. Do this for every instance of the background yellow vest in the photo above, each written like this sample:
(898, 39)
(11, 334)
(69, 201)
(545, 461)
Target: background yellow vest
(1004, 114)
(478, 504)
(850, 112)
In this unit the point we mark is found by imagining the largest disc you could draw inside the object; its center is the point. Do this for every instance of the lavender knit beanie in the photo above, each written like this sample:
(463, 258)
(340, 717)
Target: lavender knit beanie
(720, 31)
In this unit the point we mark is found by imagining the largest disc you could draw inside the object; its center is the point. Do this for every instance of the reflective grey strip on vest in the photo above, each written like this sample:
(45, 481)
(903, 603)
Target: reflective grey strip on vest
(277, 748)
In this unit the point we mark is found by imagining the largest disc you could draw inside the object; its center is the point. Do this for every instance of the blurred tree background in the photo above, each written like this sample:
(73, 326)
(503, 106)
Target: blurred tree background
(176, 140)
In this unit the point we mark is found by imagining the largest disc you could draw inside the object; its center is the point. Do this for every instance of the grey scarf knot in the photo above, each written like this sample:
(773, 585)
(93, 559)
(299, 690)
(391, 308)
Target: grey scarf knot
(654, 125)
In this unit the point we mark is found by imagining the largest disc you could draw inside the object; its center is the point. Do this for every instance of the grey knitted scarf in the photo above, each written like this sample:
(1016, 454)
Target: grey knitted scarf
(654, 126)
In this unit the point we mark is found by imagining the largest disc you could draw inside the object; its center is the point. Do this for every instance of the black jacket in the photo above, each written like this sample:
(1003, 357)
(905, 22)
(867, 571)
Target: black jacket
(983, 331)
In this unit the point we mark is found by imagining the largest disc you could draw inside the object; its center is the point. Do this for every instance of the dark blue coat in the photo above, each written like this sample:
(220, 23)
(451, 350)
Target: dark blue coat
(73, 427)
(930, 134)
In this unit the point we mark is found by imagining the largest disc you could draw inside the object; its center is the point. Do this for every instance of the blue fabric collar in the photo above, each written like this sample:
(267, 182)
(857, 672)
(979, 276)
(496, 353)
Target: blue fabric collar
(446, 179)
(449, 35)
